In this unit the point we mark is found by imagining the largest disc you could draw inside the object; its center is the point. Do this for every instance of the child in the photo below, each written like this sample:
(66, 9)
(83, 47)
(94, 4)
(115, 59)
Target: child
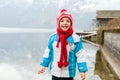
(64, 50)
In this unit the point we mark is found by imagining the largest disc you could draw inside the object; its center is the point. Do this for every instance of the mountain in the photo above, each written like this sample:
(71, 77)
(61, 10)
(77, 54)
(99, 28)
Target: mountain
(42, 13)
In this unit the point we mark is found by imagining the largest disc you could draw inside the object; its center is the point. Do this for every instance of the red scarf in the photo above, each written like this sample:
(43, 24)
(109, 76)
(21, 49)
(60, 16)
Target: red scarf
(63, 35)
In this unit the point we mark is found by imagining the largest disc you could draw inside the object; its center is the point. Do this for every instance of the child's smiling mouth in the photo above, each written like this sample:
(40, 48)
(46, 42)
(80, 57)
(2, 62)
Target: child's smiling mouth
(65, 26)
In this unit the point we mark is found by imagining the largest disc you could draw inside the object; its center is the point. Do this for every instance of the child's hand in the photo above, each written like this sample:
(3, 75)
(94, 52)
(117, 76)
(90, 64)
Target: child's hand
(41, 70)
(82, 76)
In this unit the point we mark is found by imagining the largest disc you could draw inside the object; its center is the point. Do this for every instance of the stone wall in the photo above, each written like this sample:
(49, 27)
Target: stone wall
(112, 41)
(110, 54)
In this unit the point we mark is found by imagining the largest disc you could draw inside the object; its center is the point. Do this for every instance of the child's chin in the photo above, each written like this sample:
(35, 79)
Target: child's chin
(64, 29)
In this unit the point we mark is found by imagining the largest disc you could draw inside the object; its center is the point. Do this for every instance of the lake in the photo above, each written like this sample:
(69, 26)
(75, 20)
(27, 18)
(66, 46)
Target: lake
(20, 54)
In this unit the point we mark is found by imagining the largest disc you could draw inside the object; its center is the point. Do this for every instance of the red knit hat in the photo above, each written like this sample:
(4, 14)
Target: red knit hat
(64, 13)
(62, 37)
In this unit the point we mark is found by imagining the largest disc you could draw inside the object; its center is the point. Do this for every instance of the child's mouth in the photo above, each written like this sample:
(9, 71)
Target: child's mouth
(65, 26)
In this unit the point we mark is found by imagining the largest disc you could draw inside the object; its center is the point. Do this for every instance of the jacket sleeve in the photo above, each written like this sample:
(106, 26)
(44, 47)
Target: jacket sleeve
(47, 54)
(81, 56)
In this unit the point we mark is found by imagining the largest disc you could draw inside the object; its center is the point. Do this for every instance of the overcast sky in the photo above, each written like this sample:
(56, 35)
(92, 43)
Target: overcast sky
(42, 13)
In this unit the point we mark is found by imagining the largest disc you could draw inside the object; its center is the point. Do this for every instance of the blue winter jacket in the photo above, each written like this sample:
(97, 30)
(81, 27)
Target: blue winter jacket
(76, 55)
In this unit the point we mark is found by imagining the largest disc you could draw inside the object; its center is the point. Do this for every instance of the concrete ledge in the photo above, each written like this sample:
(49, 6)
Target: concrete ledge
(112, 62)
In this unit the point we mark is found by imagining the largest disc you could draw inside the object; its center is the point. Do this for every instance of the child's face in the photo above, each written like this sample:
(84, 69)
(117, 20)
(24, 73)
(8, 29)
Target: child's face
(65, 24)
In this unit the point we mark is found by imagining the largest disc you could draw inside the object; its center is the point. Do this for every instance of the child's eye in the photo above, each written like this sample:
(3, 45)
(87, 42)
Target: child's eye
(68, 21)
(62, 21)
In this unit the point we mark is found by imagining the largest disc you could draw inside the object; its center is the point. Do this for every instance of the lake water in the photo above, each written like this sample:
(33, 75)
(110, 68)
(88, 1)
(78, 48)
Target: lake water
(20, 54)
